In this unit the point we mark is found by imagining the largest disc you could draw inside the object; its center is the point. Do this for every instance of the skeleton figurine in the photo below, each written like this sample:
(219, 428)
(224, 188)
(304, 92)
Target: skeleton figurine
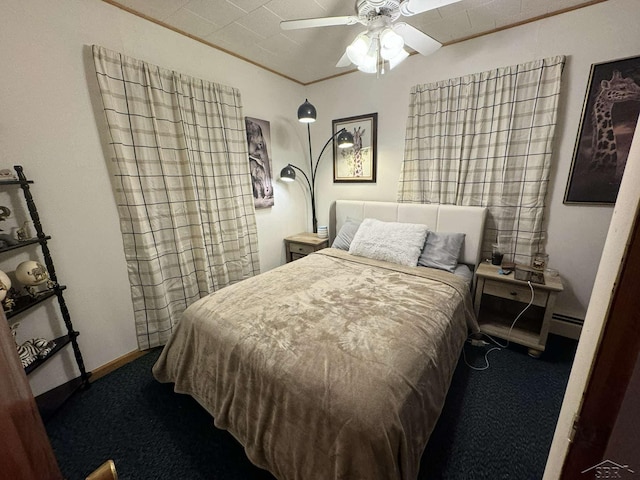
(22, 233)
(5, 239)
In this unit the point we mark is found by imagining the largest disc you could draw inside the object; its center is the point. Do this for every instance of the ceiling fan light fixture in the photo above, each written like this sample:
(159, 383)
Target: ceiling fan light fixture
(359, 48)
(389, 53)
(369, 62)
(398, 59)
(371, 67)
(389, 39)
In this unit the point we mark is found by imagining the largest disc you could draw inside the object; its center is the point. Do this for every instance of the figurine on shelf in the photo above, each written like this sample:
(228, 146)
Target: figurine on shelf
(5, 285)
(9, 300)
(6, 174)
(32, 350)
(22, 233)
(32, 274)
(5, 288)
(5, 240)
(4, 213)
(43, 346)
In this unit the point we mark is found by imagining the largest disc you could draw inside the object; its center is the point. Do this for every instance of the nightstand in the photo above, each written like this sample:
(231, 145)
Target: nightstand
(302, 244)
(530, 331)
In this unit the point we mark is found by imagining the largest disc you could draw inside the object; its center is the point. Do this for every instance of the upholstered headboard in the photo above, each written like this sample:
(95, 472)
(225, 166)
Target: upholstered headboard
(440, 218)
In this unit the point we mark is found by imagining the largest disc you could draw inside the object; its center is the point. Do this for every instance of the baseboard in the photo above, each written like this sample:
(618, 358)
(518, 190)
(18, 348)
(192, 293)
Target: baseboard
(566, 326)
(116, 364)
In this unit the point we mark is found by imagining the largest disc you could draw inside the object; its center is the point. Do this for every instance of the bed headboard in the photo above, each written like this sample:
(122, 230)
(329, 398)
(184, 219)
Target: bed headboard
(440, 218)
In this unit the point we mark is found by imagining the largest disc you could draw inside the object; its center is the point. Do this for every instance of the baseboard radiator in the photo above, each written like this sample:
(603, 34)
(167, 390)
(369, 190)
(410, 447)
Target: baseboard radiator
(566, 326)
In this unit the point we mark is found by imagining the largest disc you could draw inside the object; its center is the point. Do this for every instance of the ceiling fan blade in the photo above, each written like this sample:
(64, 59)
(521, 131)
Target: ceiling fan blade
(413, 7)
(344, 61)
(414, 38)
(317, 22)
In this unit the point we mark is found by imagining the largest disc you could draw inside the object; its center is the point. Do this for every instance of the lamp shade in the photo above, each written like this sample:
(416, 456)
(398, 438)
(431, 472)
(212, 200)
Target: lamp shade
(306, 112)
(288, 174)
(357, 51)
(345, 139)
(390, 44)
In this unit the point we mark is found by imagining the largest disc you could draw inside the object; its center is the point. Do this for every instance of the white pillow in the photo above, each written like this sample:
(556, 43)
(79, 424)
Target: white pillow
(389, 241)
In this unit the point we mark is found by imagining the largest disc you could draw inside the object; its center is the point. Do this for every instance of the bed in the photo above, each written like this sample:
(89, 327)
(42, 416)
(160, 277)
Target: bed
(334, 366)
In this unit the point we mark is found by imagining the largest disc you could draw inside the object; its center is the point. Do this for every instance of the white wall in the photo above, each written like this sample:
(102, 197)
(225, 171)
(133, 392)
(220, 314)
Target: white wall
(48, 123)
(595, 34)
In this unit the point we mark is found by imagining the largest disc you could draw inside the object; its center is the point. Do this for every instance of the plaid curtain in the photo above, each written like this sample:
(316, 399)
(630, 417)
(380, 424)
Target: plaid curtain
(485, 140)
(182, 184)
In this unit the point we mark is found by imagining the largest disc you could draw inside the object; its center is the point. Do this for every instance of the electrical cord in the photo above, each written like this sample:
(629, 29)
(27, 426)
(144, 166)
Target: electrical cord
(499, 345)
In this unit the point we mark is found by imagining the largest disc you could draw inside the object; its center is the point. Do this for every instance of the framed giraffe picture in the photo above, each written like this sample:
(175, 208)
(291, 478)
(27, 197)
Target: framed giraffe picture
(609, 118)
(358, 163)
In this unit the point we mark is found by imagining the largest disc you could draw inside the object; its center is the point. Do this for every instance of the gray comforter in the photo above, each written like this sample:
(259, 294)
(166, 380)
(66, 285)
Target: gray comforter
(329, 367)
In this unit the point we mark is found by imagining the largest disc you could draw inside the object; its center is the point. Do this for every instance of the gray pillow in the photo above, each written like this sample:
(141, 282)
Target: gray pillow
(345, 235)
(394, 242)
(442, 250)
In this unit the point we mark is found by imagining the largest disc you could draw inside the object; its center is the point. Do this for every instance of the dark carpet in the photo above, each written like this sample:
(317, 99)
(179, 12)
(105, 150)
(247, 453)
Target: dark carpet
(496, 424)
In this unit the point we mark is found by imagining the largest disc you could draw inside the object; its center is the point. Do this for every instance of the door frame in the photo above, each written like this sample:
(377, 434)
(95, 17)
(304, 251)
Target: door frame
(613, 367)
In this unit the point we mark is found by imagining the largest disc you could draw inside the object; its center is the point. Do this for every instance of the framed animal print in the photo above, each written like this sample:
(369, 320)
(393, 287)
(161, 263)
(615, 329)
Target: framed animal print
(609, 118)
(259, 145)
(358, 163)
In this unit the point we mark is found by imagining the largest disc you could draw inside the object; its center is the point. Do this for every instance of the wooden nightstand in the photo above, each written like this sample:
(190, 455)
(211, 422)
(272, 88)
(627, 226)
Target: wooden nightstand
(302, 244)
(528, 331)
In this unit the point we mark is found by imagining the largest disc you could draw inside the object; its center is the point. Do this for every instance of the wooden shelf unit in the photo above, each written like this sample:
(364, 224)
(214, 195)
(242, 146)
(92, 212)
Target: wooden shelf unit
(24, 303)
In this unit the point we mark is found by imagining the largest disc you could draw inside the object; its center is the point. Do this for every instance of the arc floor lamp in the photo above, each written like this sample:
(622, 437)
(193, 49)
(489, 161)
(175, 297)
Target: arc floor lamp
(344, 139)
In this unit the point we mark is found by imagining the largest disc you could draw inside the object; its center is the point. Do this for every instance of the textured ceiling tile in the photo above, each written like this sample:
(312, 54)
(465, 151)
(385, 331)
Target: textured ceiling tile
(480, 19)
(281, 45)
(422, 22)
(218, 12)
(457, 22)
(234, 34)
(493, 15)
(456, 26)
(294, 9)
(535, 9)
(266, 51)
(248, 5)
(504, 8)
(449, 28)
(337, 7)
(158, 9)
(459, 7)
(191, 23)
(261, 21)
(426, 17)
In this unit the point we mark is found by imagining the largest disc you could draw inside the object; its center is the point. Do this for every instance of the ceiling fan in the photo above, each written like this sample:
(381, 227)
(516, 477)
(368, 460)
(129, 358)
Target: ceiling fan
(384, 40)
